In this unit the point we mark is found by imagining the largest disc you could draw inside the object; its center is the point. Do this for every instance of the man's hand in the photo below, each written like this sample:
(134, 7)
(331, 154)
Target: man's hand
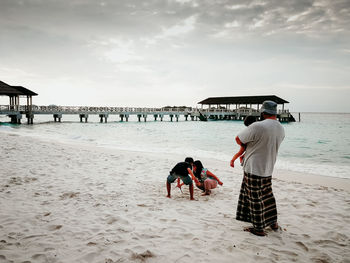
(220, 183)
(180, 185)
(232, 163)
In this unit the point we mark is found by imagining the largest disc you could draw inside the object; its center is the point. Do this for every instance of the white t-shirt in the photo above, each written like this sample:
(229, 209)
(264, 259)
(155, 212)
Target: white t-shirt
(263, 138)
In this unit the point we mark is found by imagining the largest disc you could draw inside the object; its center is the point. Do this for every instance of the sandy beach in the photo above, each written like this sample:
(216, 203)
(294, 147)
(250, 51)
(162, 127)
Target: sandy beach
(72, 203)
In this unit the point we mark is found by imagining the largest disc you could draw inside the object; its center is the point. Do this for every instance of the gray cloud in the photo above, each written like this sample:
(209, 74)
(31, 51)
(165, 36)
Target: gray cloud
(133, 17)
(195, 46)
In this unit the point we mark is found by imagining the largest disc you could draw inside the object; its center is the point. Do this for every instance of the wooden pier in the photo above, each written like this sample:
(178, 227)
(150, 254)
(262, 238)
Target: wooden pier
(124, 113)
(219, 108)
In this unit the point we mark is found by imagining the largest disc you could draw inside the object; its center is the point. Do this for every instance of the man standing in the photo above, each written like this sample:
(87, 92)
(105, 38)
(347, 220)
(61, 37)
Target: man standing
(256, 203)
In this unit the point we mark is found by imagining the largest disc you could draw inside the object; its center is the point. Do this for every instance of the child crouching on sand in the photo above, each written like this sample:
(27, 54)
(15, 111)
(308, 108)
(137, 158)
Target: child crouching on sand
(181, 171)
(204, 179)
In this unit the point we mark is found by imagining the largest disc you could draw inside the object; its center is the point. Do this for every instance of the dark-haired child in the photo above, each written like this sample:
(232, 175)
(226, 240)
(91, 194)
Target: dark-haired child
(204, 179)
(181, 171)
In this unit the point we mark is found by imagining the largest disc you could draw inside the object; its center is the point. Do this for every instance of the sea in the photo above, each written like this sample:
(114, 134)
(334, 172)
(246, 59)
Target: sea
(318, 144)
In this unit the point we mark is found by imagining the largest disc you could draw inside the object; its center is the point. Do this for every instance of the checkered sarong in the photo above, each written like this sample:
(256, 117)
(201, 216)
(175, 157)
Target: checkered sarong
(256, 203)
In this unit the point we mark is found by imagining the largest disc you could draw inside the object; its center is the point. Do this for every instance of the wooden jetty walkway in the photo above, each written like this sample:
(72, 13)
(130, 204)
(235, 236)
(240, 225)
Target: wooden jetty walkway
(124, 113)
(218, 108)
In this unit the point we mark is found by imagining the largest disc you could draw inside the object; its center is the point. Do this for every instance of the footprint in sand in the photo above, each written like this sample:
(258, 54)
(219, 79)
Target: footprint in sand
(40, 258)
(69, 195)
(91, 244)
(55, 227)
(30, 179)
(4, 260)
(142, 256)
(302, 246)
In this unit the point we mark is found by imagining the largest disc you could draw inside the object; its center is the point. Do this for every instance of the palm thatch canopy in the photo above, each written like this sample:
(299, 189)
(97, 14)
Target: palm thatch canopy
(242, 100)
(8, 90)
(25, 91)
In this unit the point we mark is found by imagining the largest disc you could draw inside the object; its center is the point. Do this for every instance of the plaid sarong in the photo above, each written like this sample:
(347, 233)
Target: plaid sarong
(256, 203)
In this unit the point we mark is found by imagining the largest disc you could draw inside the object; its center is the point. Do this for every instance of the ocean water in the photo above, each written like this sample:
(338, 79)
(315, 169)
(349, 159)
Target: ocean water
(319, 144)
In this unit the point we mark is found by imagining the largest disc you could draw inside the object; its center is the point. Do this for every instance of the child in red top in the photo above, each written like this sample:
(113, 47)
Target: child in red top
(247, 121)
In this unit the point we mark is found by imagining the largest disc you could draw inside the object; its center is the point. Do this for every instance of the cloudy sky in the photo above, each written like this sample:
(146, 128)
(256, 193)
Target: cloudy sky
(177, 52)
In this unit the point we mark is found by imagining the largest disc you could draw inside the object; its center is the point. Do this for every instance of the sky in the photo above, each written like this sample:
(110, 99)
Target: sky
(153, 53)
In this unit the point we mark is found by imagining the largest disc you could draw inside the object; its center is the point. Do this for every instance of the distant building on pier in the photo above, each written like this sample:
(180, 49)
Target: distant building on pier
(15, 93)
(245, 105)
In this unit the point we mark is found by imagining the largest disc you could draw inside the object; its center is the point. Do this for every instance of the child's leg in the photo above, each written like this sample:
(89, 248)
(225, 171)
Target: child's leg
(209, 184)
(168, 188)
(191, 191)
(171, 178)
(178, 183)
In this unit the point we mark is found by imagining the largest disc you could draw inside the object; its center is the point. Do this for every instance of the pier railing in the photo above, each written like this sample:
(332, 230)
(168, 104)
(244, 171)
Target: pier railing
(115, 110)
(15, 112)
(87, 109)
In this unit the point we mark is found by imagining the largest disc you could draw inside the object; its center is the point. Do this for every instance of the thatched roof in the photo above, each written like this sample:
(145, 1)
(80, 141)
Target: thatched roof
(9, 90)
(25, 91)
(242, 100)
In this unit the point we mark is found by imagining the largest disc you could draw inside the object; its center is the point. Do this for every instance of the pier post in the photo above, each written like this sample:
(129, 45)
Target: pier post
(83, 116)
(161, 117)
(57, 116)
(127, 117)
(16, 118)
(186, 116)
(171, 117)
(177, 117)
(30, 117)
(145, 117)
(121, 117)
(155, 117)
(139, 117)
(105, 116)
(192, 117)
(299, 117)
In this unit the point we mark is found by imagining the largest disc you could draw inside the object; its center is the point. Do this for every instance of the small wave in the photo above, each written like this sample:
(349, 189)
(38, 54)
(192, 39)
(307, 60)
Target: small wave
(323, 141)
(5, 127)
(314, 168)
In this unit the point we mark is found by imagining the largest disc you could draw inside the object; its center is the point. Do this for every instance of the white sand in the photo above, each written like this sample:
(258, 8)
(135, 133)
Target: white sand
(69, 203)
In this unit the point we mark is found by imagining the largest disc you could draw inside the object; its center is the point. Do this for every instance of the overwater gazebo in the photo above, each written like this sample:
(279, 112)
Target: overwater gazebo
(241, 101)
(14, 93)
(242, 106)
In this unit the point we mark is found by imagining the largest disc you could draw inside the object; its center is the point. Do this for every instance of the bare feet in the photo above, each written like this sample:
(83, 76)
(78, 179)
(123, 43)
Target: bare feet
(168, 196)
(274, 227)
(207, 192)
(254, 231)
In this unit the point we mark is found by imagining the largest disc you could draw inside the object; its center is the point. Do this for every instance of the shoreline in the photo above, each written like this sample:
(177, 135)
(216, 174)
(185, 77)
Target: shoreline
(312, 179)
(279, 174)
